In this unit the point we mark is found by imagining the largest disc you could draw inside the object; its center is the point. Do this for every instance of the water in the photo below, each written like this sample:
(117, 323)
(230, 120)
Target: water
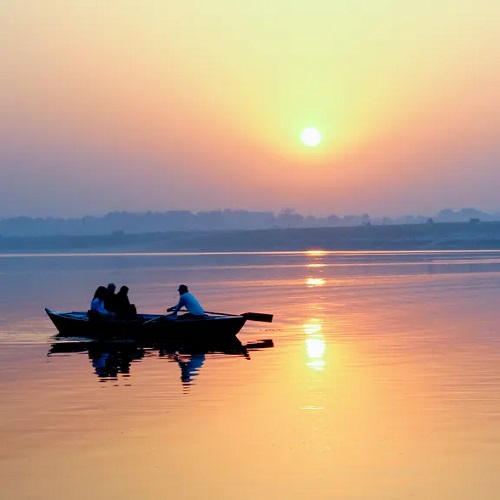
(379, 378)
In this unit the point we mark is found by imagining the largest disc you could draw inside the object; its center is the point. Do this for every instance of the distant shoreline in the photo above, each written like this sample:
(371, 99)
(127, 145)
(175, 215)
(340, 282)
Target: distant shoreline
(437, 236)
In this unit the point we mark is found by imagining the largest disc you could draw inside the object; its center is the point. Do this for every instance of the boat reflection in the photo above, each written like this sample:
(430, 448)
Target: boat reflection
(111, 358)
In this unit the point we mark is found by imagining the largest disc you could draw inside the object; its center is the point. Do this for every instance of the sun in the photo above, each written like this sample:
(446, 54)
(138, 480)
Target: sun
(311, 136)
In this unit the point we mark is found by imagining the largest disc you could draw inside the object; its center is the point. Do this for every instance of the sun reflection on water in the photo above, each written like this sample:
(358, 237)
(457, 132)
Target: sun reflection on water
(311, 282)
(314, 326)
(315, 350)
(316, 253)
(315, 344)
(316, 264)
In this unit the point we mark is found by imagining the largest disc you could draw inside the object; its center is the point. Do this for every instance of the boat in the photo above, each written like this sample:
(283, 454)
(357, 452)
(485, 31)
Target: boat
(152, 326)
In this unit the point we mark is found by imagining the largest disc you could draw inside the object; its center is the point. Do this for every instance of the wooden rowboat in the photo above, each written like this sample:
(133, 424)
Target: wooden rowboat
(212, 325)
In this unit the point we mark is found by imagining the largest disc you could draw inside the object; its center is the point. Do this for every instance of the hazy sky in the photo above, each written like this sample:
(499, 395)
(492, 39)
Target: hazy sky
(199, 104)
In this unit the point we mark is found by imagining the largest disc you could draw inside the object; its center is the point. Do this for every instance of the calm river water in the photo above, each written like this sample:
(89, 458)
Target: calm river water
(382, 380)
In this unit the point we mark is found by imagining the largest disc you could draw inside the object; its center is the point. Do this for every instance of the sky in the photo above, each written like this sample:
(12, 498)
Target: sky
(158, 105)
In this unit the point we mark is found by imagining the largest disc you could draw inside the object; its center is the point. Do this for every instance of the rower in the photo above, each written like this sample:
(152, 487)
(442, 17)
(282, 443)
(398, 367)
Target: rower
(189, 302)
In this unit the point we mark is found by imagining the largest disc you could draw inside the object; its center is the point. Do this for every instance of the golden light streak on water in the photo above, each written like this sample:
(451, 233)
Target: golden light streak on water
(316, 253)
(312, 327)
(311, 282)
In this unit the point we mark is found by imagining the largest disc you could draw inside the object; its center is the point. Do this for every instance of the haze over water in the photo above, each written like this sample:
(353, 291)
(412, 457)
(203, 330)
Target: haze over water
(383, 381)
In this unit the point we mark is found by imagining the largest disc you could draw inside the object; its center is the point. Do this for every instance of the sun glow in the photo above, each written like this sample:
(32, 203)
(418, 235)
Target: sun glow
(311, 136)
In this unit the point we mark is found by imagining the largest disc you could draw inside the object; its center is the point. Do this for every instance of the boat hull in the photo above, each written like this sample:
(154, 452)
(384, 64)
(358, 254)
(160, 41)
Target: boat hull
(146, 326)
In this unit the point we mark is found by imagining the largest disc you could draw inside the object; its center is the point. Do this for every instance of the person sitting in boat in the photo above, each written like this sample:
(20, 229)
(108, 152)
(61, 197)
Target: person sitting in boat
(97, 308)
(110, 298)
(189, 302)
(123, 308)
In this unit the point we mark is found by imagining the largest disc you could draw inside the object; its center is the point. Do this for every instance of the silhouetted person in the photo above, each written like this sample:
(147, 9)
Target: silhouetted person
(110, 299)
(97, 306)
(123, 307)
(188, 301)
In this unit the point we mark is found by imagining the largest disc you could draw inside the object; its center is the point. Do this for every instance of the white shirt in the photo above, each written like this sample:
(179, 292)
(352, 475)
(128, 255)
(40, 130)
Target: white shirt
(98, 305)
(189, 301)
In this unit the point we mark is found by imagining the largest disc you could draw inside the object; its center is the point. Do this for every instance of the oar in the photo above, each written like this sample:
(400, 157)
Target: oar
(265, 318)
(251, 316)
(156, 318)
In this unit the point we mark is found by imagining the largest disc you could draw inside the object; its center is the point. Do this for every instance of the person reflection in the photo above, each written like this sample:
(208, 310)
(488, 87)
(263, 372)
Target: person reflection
(189, 363)
(109, 361)
(103, 364)
(190, 368)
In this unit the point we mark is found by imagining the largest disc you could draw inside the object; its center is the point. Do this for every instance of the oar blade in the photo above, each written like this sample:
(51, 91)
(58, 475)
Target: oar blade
(265, 318)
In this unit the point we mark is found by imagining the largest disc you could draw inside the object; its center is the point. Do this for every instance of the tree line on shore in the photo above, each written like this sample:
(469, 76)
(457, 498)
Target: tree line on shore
(184, 220)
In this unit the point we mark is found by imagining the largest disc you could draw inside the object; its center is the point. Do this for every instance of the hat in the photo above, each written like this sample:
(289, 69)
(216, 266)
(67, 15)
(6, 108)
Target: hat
(182, 288)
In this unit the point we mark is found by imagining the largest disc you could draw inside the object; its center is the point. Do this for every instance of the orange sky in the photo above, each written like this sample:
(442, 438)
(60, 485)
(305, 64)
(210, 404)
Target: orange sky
(160, 105)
